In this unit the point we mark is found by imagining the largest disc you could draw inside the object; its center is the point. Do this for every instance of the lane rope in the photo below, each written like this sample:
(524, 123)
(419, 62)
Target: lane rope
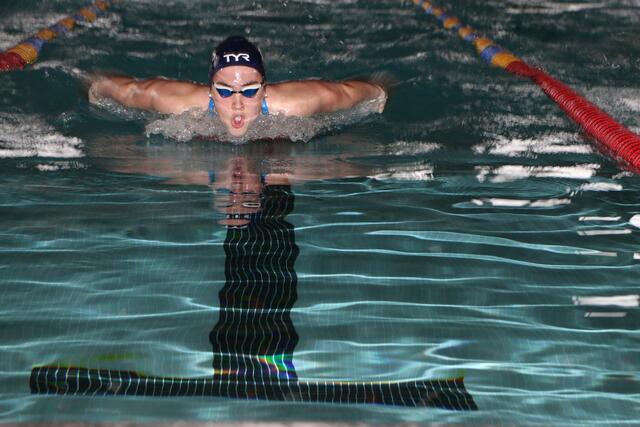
(620, 142)
(27, 51)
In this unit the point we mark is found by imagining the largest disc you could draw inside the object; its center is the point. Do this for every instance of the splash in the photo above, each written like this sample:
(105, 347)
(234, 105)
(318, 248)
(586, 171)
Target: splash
(509, 173)
(197, 124)
(23, 135)
(115, 109)
(556, 143)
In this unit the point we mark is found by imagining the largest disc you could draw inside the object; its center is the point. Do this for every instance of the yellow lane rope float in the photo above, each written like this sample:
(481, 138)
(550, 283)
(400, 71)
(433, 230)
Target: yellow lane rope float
(619, 141)
(27, 51)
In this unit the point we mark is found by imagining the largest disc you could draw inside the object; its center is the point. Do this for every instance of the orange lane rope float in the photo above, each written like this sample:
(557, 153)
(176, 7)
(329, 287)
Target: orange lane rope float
(620, 142)
(27, 51)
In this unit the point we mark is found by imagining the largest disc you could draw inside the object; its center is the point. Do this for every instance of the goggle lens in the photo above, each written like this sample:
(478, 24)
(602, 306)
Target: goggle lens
(247, 92)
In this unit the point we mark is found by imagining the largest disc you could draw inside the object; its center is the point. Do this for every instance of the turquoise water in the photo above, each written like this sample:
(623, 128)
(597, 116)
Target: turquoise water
(470, 230)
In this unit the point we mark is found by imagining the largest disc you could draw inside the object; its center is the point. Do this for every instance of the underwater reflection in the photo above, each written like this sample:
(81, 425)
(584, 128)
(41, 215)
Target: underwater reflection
(254, 339)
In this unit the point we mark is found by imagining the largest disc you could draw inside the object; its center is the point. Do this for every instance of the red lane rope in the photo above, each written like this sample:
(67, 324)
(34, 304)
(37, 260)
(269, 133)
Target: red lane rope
(620, 141)
(10, 61)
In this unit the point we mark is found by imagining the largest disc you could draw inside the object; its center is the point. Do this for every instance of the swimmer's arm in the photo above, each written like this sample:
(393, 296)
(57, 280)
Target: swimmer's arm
(161, 95)
(308, 97)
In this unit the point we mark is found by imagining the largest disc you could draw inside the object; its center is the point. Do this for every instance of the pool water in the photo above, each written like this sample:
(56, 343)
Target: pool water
(470, 231)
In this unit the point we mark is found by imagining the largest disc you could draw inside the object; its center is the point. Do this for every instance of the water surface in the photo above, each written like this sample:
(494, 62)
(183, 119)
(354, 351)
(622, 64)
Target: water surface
(466, 231)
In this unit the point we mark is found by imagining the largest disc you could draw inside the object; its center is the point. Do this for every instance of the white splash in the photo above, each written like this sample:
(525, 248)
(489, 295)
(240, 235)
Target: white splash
(197, 124)
(554, 8)
(411, 148)
(600, 186)
(508, 173)
(58, 166)
(632, 103)
(422, 173)
(24, 135)
(545, 144)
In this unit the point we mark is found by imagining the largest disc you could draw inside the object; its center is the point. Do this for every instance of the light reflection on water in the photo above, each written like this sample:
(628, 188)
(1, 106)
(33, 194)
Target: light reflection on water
(469, 230)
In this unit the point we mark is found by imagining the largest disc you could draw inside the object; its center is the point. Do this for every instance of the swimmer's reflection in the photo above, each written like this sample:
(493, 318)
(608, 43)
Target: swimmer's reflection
(254, 339)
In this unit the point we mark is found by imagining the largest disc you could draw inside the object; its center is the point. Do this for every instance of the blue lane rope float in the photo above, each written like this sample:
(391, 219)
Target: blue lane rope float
(621, 143)
(27, 51)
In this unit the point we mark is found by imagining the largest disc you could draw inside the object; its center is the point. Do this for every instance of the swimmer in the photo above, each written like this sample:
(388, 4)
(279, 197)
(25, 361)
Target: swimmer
(237, 91)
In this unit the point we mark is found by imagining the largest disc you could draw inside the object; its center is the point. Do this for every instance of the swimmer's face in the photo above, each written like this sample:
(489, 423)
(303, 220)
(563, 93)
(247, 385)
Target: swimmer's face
(237, 192)
(237, 111)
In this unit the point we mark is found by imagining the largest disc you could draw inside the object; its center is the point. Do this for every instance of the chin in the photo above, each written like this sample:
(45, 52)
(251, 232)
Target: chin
(237, 132)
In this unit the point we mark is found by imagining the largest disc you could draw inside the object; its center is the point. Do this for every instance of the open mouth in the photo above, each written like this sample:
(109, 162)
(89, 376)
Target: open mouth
(237, 121)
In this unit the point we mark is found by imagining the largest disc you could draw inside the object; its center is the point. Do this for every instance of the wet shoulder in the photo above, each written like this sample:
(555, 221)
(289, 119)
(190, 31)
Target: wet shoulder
(291, 98)
(179, 96)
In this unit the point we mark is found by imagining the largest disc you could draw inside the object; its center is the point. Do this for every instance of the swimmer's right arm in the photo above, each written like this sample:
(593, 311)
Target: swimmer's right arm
(161, 95)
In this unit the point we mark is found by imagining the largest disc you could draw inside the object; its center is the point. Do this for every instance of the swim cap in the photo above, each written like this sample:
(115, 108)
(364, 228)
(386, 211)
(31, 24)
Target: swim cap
(236, 50)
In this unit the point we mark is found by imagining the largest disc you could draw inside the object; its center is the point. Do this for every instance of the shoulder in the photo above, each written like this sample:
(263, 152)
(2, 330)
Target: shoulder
(297, 98)
(175, 96)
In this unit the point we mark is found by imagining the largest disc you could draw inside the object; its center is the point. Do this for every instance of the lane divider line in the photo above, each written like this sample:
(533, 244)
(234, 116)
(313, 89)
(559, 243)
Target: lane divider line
(27, 51)
(620, 142)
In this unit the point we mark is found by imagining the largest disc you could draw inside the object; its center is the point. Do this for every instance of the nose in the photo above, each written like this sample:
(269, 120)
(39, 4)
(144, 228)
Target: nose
(238, 103)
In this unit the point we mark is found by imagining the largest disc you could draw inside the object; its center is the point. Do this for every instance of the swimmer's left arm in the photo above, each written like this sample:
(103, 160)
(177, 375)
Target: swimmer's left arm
(308, 97)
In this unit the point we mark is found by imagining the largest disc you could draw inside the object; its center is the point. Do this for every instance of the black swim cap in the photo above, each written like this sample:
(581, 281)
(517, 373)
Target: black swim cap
(236, 50)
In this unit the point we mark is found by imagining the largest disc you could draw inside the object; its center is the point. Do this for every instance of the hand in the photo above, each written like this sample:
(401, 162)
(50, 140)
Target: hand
(384, 81)
(93, 92)
(380, 101)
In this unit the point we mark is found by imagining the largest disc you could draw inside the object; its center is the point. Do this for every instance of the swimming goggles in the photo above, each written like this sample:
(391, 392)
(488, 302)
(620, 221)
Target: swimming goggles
(248, 91)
